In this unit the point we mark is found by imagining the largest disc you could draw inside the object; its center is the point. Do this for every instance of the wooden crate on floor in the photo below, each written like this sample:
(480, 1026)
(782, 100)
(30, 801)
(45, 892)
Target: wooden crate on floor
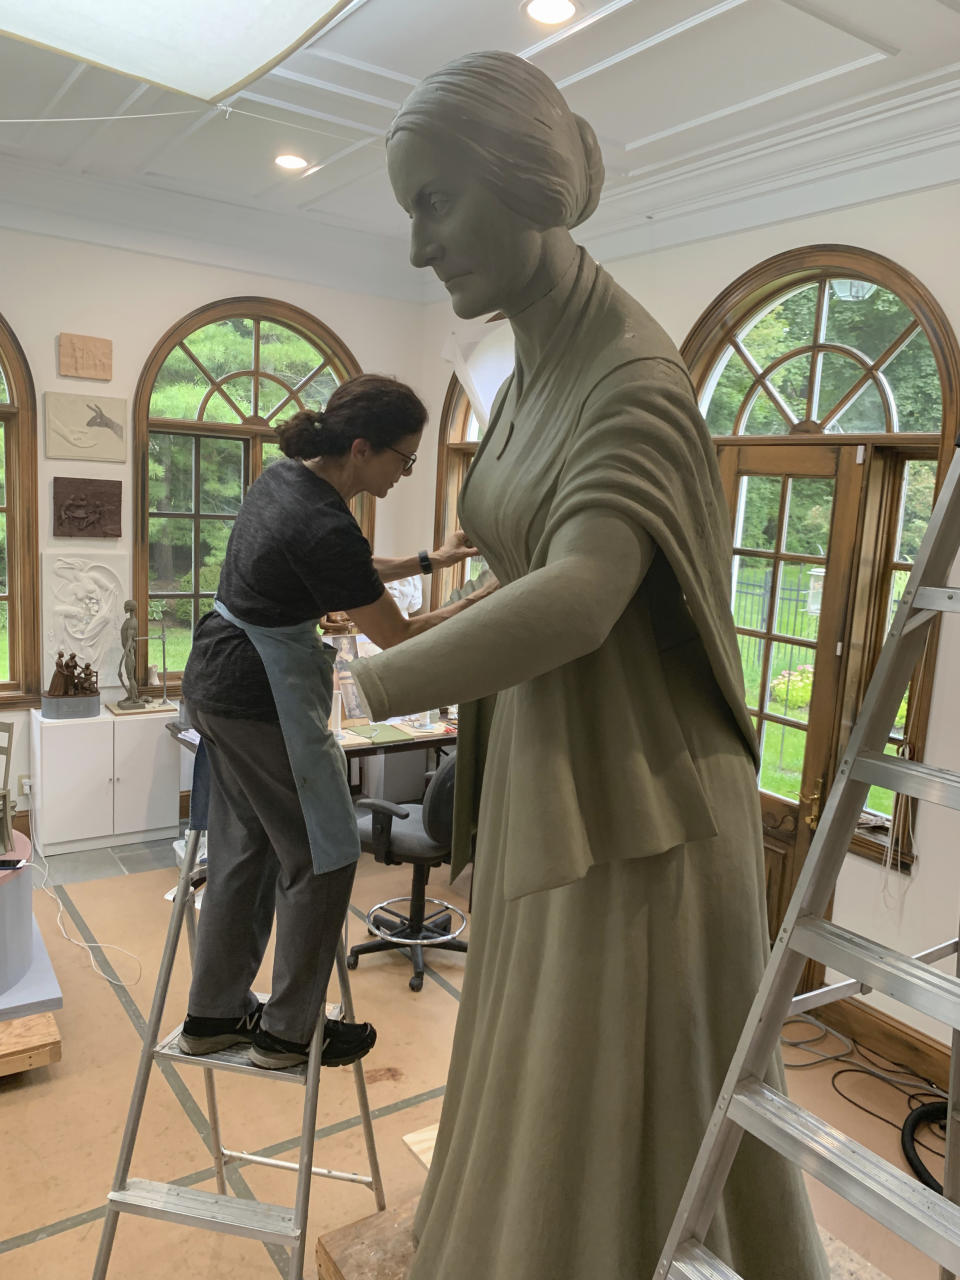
(30, 1042)
(376, 1248)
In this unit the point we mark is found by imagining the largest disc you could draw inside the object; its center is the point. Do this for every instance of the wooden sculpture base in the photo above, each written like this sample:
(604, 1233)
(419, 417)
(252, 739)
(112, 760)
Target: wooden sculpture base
(376, 1248)
(26, 1043)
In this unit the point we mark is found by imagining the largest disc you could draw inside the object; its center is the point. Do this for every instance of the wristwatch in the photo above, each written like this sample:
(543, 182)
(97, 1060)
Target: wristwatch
(425, 565)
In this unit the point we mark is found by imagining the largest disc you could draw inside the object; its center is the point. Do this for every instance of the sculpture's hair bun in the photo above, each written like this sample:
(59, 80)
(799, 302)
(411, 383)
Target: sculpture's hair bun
(593, 160)
(515, 128)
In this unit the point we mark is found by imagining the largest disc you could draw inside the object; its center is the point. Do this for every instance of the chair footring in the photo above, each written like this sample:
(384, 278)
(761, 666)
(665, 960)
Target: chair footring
(415, 928)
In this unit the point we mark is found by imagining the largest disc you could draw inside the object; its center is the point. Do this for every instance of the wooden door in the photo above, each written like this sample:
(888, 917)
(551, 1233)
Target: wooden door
(795, 511)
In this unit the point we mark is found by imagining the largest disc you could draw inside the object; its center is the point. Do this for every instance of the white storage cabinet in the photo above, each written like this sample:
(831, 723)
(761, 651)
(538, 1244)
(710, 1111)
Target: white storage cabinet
(108, 780)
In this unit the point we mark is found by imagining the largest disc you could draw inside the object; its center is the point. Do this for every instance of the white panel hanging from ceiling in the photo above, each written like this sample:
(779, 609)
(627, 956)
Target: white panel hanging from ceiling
(201, 47)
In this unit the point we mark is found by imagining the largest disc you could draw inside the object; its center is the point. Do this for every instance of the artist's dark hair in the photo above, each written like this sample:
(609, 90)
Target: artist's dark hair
(370, 407)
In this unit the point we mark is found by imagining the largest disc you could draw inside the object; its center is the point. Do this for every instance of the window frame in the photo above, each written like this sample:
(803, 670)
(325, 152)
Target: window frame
(252, 434)
(455, 453)
(884, 457)
(18, 420)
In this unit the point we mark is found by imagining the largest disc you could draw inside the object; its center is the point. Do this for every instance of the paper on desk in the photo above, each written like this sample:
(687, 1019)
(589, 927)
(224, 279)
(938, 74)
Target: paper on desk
(420, 726)
(383, 733)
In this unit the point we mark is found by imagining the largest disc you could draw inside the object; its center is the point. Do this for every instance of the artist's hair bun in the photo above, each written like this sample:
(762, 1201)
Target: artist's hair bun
(300, 437)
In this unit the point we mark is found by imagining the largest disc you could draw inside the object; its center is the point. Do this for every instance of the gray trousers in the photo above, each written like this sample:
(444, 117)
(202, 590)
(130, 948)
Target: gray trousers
(258, 863)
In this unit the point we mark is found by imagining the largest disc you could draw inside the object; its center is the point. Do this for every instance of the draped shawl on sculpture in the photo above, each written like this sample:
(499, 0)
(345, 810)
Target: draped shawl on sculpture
(616, 428)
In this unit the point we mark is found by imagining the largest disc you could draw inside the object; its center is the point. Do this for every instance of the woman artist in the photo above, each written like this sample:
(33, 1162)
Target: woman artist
(258, 685)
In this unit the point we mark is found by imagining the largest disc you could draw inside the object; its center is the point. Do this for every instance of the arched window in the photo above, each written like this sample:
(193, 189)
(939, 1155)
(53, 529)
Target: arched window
(460, 434)
(20, 674)
(207, 405)
(830, 380)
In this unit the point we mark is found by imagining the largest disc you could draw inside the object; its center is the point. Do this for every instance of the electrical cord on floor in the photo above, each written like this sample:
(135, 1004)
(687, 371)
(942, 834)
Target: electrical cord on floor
(806, 1045)
(40, 863)
(928, 1102)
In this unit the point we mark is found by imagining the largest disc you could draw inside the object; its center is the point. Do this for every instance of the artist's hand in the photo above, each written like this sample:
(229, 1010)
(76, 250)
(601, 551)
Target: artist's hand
(454, 548)
(335, 624)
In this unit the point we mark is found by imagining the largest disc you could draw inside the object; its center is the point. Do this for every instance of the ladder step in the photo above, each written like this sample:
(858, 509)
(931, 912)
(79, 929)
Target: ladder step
(693, 1262)
(236, 1058)
(943, 599)
(271, 1223)
(913, 983)
(918, 1215)
(909, 777)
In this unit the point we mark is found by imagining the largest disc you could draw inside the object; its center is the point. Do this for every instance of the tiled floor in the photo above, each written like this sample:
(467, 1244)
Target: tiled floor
(60, 1126)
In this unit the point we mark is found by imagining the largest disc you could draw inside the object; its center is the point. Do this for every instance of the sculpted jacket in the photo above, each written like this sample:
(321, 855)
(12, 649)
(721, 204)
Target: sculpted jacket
(606, 425)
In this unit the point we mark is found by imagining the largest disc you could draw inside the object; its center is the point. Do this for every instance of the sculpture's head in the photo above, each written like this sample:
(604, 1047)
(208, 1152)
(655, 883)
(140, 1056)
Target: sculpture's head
(490, 162)
(130, 606)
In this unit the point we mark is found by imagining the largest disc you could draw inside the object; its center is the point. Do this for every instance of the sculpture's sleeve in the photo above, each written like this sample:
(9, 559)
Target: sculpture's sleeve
(549, 617)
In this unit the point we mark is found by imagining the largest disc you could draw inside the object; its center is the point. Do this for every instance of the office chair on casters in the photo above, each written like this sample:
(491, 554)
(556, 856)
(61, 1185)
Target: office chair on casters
(420, 835)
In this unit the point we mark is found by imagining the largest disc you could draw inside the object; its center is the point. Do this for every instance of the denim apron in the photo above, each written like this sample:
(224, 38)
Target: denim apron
(299, 667)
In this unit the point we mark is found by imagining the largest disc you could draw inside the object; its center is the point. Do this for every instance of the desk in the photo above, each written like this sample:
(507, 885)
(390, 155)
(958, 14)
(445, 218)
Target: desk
(355, 745)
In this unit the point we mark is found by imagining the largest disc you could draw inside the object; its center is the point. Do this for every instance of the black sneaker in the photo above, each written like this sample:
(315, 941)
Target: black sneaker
(207, 1035)
(343, 1044)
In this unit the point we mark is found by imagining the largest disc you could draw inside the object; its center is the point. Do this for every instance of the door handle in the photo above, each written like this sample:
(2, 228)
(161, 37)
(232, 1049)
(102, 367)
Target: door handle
(813, 817)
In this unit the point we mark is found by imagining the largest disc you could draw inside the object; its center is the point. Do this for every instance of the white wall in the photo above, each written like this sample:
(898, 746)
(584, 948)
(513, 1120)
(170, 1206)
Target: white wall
(919, 232)
(51, 285)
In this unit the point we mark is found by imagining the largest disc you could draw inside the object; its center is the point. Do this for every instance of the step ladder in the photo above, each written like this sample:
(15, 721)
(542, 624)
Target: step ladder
(217, 1211)
(928, 1221)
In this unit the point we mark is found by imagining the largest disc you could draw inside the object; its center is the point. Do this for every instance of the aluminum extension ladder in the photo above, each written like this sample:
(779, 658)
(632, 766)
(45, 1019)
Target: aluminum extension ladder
(928, 1221)
(272, 1224)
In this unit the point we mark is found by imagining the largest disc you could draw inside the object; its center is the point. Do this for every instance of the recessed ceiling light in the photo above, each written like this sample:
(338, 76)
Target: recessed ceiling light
(291, 162)
(550, 12)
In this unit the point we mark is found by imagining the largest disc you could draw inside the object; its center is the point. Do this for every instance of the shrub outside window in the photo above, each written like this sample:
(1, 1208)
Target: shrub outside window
(207, 407)
(842, 353)
(20, 645)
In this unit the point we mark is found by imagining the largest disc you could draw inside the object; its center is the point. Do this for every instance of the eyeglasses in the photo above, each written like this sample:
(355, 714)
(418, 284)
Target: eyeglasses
(408, 459)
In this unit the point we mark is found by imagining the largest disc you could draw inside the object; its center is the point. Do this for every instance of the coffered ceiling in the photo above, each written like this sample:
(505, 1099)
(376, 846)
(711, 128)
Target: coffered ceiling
(712, 117)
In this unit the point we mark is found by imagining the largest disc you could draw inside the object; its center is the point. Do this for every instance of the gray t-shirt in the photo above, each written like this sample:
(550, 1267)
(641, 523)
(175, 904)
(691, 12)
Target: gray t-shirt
(295, 553)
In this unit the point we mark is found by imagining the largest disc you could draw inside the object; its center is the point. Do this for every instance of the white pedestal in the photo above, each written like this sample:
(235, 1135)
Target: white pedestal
(38, 990)
(16, 918)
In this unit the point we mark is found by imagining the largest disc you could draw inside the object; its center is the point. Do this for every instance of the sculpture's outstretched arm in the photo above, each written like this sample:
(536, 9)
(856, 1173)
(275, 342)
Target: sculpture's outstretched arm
(543, 620)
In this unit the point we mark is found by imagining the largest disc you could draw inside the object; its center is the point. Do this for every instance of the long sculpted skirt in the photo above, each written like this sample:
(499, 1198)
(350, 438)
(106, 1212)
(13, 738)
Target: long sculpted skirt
(597, 1023)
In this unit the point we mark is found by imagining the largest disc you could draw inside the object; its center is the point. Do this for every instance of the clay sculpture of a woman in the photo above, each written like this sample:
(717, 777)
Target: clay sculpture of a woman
(618, 931)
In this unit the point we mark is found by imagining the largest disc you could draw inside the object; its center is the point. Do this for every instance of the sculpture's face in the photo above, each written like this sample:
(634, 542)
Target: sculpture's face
(486, 255)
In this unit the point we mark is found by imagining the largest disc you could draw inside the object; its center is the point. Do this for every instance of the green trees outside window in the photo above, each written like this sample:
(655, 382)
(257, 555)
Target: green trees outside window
(825, 346)
(210, 399)
(834, 356)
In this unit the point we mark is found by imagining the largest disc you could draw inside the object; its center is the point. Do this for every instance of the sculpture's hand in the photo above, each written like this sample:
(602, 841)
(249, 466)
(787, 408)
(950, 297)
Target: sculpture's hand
(454, 548)
(482, 592)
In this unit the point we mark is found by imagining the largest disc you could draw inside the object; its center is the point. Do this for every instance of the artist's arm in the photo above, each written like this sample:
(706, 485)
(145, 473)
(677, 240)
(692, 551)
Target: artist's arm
(543, 620)
(454, 548)
(386, 626)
